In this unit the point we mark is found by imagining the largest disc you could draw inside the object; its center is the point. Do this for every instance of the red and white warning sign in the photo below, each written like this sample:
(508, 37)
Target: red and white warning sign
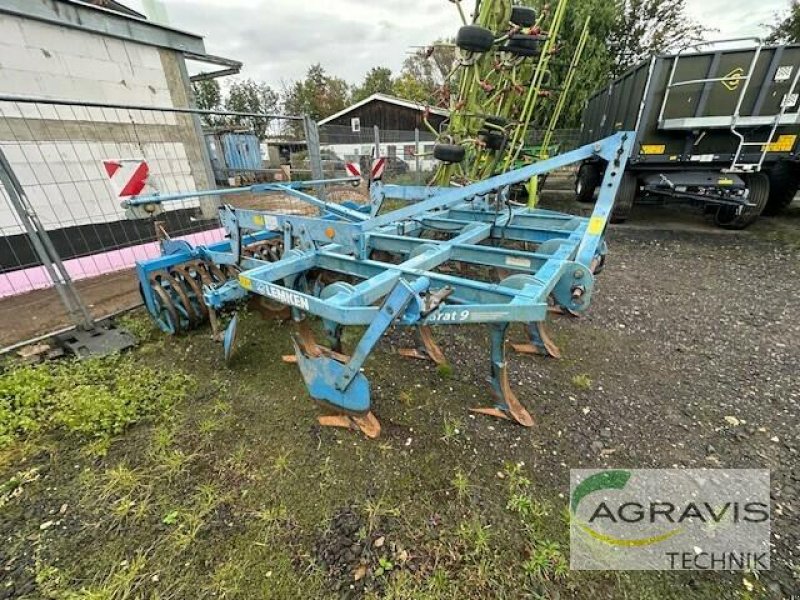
(378, 167)
(127, 175)
(353, 169)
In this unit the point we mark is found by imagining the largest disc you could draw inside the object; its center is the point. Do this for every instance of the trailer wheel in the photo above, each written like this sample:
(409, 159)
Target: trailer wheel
(727, 217)
(474, 39)
(449, 153)
(626, 195)
(586, 183)
(784, 180)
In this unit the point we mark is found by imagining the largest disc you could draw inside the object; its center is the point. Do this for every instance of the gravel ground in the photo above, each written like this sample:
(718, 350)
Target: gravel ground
(692, 347)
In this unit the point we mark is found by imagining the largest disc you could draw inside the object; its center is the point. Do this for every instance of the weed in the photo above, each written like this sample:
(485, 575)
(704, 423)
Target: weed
(121, 582)
(475, 537)
(582, 381)
(445, 371)
(138, 325)
(460, 483)
(208, 426)
(546, 562)
(280, 465)
(406, 398)
(378, 509)
(384, 566)
(94, 398)
(452, 427)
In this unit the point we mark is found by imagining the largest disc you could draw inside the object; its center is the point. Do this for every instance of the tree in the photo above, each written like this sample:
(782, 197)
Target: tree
(646, 27)
(410, 88)
(318, 95)
(249, 96)
(377, 81)
(597, 61)
(787, 28)
(208, 96)
(425, 71)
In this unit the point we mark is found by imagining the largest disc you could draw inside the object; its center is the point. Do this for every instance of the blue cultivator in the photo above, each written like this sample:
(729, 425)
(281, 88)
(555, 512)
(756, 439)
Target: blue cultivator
(407, 267)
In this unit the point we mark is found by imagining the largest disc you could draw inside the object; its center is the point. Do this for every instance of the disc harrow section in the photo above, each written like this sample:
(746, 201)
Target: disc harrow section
(176, 300)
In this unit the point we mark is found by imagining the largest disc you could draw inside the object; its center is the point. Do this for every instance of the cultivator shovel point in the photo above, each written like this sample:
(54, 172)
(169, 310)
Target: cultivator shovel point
(430, 350)
(507, 405)
(540, 342)
(431, 263)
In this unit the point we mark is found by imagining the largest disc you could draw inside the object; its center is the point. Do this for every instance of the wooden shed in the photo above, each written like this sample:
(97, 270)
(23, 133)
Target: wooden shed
(387, 112)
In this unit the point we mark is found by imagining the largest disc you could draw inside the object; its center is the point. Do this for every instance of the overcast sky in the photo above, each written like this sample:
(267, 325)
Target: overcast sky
(277, 40)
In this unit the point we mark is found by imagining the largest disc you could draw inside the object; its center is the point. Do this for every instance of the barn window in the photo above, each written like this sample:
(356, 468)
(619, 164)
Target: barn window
(355, 123)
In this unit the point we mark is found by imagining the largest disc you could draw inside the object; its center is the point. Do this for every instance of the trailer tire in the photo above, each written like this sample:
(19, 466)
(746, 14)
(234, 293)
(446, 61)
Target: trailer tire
(586, 183)
(784, 180)
(474, 39)
(626, 195)
(726, 217)
(449, 153)
(523, 16)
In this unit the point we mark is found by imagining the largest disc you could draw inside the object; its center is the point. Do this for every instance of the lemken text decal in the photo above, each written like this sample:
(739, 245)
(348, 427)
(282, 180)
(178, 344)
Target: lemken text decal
(284, 296)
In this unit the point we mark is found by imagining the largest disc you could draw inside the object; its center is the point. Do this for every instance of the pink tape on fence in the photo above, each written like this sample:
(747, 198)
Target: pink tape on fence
(94, 265)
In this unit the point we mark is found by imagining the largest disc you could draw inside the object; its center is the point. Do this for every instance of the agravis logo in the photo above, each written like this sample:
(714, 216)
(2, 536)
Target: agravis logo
(609, 480)
(669, 519)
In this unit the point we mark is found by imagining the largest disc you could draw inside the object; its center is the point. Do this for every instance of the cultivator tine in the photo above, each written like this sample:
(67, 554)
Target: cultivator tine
(368, 424)
(430, 349)
(229, 339)
(507, 406)
(540, 341)
(310, 346)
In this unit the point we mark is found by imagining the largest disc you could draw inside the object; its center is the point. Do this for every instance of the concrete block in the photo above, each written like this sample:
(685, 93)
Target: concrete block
(11, 31)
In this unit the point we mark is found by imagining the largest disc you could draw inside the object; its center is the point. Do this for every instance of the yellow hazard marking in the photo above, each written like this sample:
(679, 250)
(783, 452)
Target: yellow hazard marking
(784, 143)
(245, 282)
(674, 157)
(725, 181)
(653, 148)
(596, 225)
(732, 79)
(258, 220)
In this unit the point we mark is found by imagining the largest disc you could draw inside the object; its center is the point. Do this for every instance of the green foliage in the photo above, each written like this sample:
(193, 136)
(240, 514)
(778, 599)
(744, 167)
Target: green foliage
(207, 94)
(250, 96)
(318, 95)
(377, 81)
(787, 26)
(647, 27)
(95, 398)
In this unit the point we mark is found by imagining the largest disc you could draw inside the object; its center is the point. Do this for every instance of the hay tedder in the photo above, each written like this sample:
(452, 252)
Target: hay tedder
(421, 265)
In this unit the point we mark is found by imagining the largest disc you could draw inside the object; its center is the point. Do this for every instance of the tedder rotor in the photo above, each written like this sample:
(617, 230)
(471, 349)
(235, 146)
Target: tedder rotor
(352, 265)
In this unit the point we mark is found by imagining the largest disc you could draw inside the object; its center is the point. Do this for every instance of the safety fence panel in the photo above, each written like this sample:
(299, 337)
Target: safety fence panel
(76, 163)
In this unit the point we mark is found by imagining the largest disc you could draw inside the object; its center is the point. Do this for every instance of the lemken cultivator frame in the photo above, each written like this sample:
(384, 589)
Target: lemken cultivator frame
(358, 265)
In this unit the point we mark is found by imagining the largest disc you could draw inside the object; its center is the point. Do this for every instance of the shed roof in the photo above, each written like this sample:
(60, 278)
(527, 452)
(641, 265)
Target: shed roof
(388, 100)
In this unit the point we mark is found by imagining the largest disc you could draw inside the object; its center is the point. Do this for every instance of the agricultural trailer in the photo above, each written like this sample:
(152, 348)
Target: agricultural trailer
(446, 257)
(715, 126)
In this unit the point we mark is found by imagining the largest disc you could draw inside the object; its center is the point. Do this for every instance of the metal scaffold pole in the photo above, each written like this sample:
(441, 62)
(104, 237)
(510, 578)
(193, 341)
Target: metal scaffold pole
(43, 246)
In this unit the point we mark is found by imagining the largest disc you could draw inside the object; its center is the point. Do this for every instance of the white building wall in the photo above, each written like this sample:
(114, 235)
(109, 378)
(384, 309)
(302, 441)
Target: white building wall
(64, 178)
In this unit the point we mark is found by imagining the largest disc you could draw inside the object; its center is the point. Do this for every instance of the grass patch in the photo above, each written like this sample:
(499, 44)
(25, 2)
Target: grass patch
(582, 381)
(95, 398)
